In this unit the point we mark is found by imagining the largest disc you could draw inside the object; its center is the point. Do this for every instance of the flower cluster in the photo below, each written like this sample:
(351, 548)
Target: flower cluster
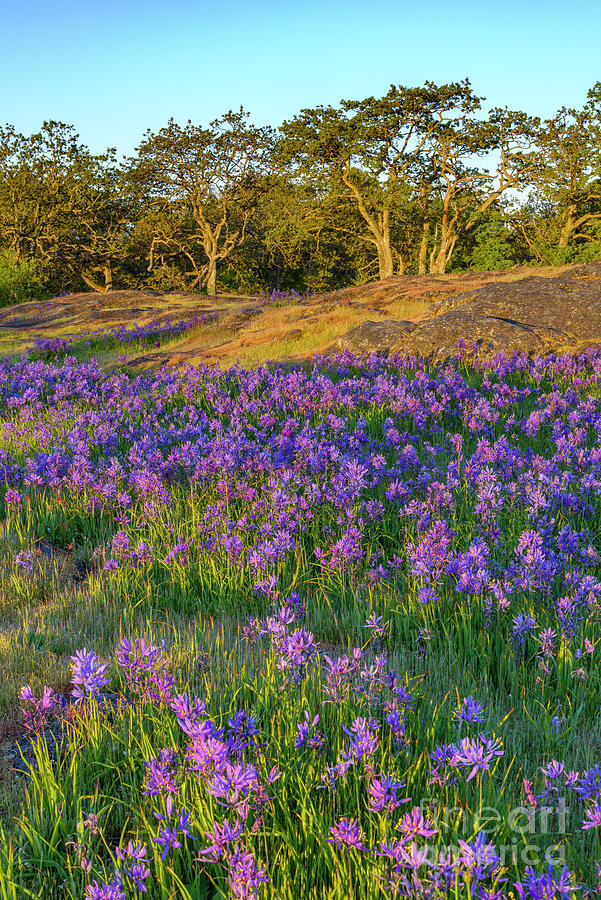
(155, 331)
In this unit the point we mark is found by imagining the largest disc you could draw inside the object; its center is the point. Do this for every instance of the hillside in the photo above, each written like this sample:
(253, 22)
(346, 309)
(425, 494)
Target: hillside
(425, 314)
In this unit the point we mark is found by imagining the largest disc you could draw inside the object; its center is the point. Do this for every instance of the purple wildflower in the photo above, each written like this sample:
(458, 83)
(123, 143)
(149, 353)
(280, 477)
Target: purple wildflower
(413, 824)
(347, 833)
(36, 714)
(307, 733)
(547, 885)
(469, 710)
(244, 876)
(160, 774)
(88, 674)
(221, 836)
(134, 867)
(382, 793)
(592, 817)
(12, 499)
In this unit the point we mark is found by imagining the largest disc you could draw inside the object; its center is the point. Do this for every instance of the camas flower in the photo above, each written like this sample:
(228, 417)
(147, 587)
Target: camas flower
(133, 859)
(549, 884)
(297, 653)
(592, 817)
(112, 890)
(474, 755)
(168, 838)
(233, 782)
(523, 625)
(221, 837)
(244, 876)
(469, 710)
(307, 733)
(88, 674)
(478, 857)
(364, 742)
(589, 783)
(12, 499)
(160, 773)
(36, 713)
(24, 560)
(411, 856)
(378, 627)
(347, 833)
(413, 824)
(382, 793)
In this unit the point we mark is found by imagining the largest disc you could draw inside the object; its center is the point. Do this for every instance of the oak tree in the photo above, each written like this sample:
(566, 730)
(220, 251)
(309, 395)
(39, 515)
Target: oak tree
(569, 178)
(209, 177)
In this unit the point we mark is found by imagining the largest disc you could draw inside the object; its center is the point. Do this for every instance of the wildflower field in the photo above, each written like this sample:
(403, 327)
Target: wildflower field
(334, 631)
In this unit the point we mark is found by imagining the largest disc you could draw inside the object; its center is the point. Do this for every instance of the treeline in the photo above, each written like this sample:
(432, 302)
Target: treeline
(419, 180)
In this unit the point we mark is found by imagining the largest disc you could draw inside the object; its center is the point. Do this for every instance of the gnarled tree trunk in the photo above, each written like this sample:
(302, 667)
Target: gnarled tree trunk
(108, 276)
(439, 259)
(385, 260)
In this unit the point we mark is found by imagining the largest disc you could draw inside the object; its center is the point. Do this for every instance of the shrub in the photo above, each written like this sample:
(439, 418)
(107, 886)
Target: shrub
(19, 279)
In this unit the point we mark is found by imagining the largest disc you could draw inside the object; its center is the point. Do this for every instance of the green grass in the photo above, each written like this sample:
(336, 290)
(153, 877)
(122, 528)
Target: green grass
(45, 619)
(199, 610)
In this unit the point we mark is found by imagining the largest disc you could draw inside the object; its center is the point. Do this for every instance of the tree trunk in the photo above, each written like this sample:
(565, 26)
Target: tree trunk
(385, 260)
(380, 229)
(91, 283)
(441, 256)
(440, 262)
(108, 276)
(212, 276)
(385, 256)
(423, 248)
(568, 227)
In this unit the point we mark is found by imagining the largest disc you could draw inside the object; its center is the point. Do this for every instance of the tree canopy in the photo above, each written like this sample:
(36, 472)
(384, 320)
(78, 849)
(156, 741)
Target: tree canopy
(419, 179)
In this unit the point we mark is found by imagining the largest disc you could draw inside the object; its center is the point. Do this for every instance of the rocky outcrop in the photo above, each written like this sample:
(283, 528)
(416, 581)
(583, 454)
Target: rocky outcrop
(375, 337)
(531, 315)
(237, 320)
(519, 309)
(439, 338)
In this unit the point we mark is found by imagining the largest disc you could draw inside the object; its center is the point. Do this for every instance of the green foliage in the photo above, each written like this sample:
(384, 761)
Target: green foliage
(167, 277)
(492, 248)
(208, 179)
(19, 280)
(403, 183)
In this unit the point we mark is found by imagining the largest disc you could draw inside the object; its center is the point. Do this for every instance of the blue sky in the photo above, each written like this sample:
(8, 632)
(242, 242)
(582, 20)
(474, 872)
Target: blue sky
(114, 69)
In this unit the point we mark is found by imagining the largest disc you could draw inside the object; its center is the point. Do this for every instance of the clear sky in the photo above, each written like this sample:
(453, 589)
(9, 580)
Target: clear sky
(114, 69)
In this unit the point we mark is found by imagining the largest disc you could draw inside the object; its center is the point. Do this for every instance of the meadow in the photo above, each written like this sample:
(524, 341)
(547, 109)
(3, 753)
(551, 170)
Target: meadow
(346, 614)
